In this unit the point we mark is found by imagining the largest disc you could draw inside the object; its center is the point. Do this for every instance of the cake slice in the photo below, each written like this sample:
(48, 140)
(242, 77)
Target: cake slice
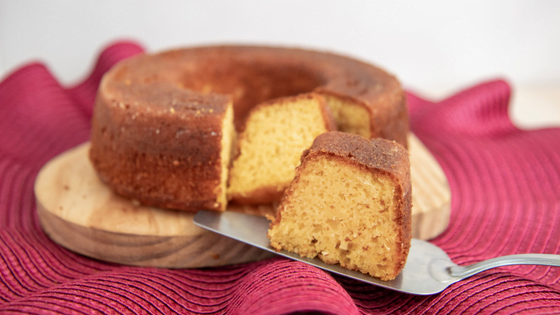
(271, 143)
(349, 204)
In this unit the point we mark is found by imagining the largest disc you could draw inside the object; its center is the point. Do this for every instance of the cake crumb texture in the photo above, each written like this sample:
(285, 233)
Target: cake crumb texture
(350, 117)
(275, 135)
(349, 208)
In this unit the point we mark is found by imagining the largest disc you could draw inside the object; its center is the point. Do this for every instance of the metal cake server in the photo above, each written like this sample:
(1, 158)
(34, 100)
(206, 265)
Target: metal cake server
(428, 269)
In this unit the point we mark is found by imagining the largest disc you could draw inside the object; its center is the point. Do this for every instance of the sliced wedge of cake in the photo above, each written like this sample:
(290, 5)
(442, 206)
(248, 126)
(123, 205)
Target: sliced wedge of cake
(271, 143)
(349, 204)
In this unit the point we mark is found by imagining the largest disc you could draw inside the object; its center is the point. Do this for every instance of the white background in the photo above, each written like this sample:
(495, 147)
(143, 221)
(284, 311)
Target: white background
(434, 47)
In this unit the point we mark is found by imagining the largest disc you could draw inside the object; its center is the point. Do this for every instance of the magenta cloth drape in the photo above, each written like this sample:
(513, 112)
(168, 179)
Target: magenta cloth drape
(505, 185)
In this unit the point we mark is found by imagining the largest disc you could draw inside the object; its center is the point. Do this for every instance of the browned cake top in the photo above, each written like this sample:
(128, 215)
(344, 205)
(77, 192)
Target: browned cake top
(378, 154)
(251, 75)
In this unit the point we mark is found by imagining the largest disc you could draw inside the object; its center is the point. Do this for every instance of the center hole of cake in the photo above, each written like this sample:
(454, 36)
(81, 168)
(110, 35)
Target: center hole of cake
(251, 83)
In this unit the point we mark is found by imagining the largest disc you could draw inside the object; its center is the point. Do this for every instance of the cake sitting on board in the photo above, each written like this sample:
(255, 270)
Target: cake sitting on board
(349, 204)
(270, 145)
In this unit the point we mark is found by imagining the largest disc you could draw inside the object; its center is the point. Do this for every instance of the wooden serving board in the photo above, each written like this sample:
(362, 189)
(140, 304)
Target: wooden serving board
(79, 212)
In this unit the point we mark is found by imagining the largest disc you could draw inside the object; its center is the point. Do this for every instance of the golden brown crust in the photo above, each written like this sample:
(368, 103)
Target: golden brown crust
(166, 155)
(397, 123)
(378, 155)
(374, 155)
(252, 75)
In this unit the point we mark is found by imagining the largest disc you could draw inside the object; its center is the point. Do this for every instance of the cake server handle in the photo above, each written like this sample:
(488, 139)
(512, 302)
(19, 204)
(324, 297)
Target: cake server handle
(520, 259)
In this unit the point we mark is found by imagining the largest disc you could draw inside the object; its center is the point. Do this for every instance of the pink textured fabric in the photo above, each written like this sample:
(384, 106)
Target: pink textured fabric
(505, 200)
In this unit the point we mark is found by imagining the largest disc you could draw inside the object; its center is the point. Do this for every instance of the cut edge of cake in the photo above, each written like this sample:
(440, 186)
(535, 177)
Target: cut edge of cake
(229, 137)
(270, 144)
(349, 116)
(302, 225)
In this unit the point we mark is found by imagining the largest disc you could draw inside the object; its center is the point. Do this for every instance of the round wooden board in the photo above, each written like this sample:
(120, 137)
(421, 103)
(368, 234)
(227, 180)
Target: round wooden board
(79, 212)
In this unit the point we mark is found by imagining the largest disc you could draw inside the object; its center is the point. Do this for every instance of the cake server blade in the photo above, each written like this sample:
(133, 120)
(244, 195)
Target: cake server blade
(428, 269)
(251, 229)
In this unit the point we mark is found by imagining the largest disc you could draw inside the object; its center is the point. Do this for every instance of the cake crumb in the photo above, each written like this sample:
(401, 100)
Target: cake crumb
(176, 163)
(172, 110)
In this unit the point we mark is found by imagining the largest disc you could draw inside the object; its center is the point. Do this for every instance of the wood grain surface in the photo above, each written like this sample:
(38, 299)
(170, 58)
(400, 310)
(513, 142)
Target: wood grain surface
(79, 212)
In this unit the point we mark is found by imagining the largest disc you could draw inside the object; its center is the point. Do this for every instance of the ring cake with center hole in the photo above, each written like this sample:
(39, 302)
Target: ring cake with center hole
(164, 125)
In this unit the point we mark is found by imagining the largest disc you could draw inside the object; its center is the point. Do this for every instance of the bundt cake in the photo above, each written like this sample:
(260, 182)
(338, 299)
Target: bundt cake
(350, 204)
(162, 127)
(274, 136)
(163, 145)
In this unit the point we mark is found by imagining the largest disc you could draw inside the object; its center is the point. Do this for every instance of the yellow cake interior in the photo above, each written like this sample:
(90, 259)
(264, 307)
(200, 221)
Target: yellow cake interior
(344, 214)
(349, 117)
(228, 140)
(272, 143)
